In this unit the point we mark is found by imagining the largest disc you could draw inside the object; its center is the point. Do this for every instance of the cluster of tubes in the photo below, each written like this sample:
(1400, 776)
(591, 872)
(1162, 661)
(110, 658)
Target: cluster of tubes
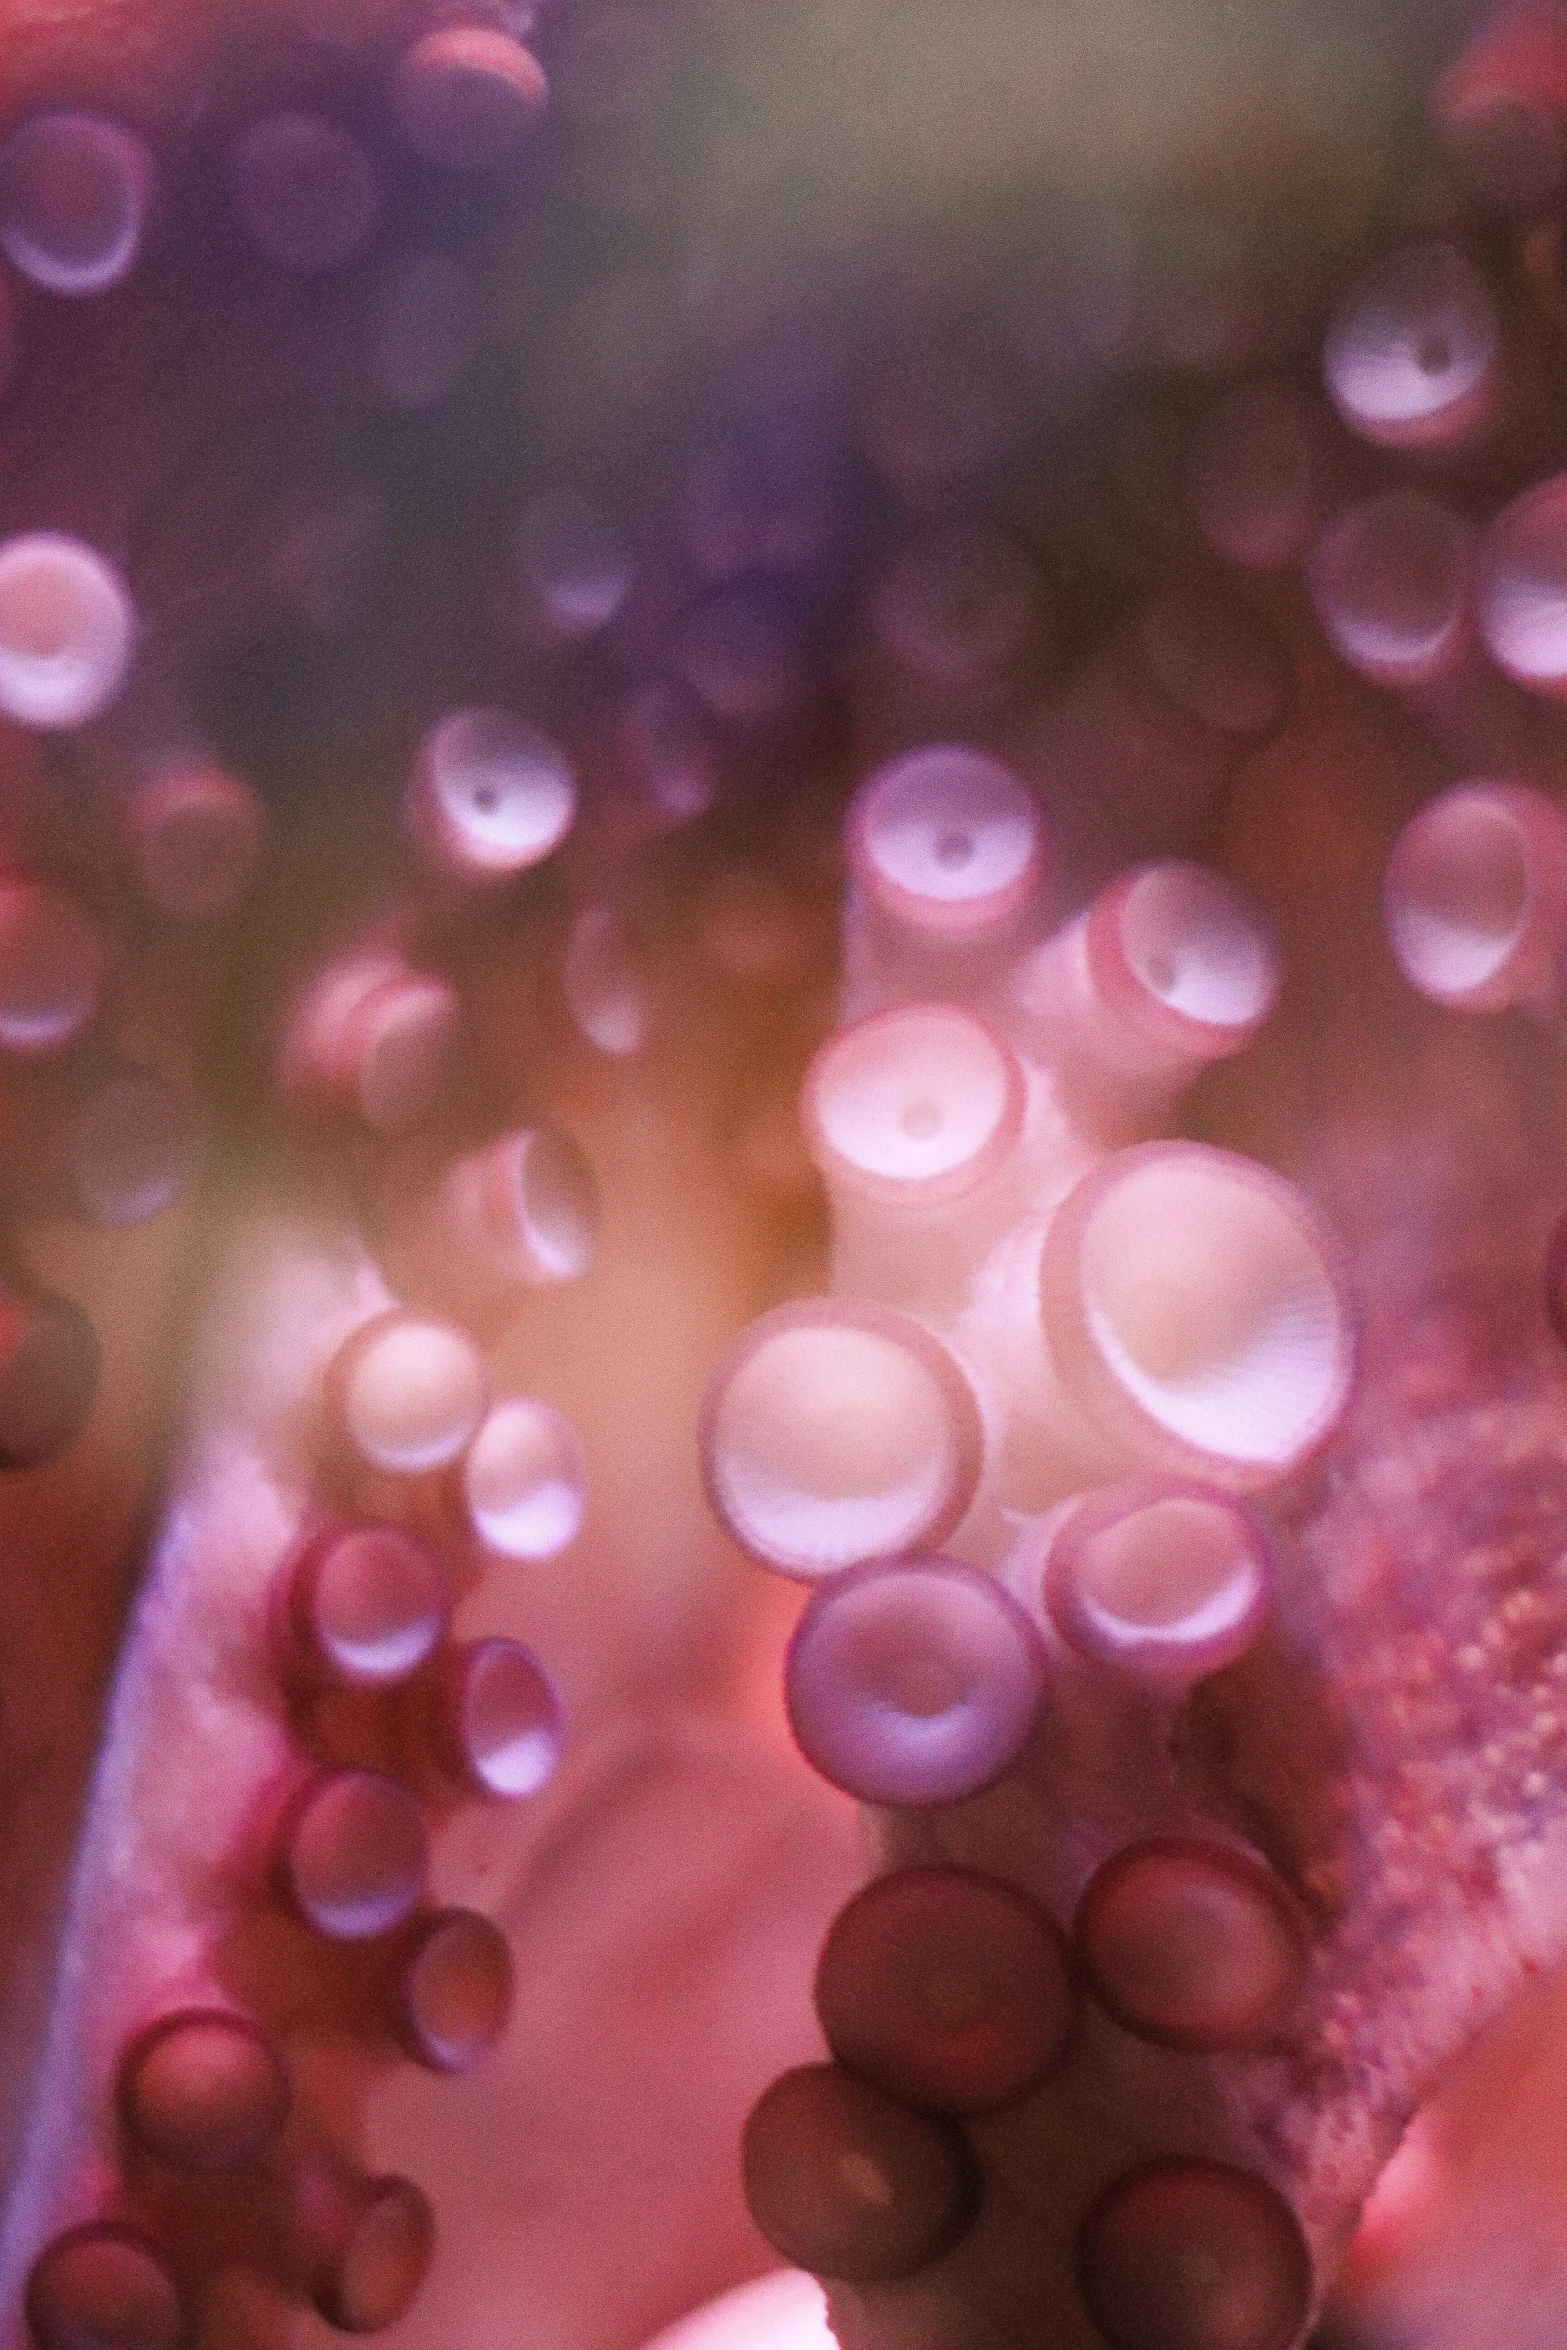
(1015, 1445)
(1022, 1440)
(377, 1725)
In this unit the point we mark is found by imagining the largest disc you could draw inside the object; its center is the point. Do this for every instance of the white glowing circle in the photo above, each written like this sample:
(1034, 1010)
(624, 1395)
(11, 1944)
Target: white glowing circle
(67, 625)
(1212, 1306)
(75, 190)
(526, 1480)
(415, 1396)
(916, 1098)
(1459, 894)
(1416, 338)
(830, 1443)
(305, 190)
(1389, 579)
(506, 790)
(947, 836)
(1195, 944)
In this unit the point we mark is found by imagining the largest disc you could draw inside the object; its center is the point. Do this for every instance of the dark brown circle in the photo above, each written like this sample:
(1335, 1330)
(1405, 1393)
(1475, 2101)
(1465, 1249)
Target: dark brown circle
(204, 2091)
(456, 1990)
(104, 2287)
(381, 2261)
(946, 1988)
(848, 2183)
(1191, 2255)
(1189, 1944)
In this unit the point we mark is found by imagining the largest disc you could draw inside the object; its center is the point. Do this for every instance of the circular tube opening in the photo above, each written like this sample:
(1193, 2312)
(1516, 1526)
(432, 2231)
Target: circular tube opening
(1190, 1945)
(75, 191)
(103, 2283)
(1408, 356)
(834, 1432)
(946, 841)
(466, 97)
(1194, 1305)
(1161, 1580)
(526, 1480)
(1179, 952)
(411, 1393)
(1523, 587)
(372, 1603)
(1476, 896)
(1389, 582)
(507, 1718)
(494, 794)
(912, 1683)
(919, 1104)
(67, 625)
